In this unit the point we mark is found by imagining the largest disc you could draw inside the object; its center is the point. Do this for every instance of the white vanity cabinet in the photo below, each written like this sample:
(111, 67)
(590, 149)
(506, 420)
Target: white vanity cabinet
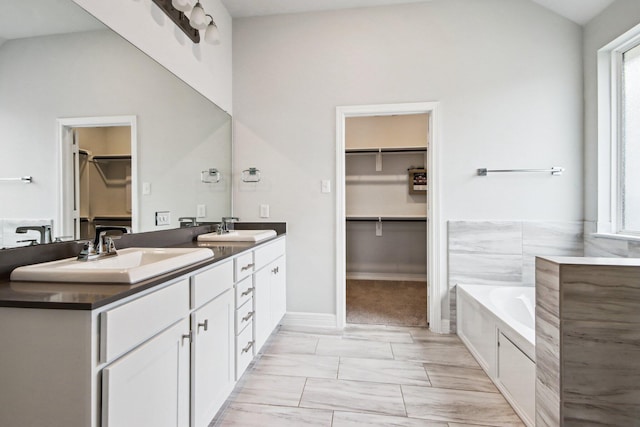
(270, 295)
(212, 350)
(150, 385)
(165, 356)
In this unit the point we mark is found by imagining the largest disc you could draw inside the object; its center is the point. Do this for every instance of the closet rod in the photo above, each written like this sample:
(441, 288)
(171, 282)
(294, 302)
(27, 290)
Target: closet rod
(385, 150)
(25, 179)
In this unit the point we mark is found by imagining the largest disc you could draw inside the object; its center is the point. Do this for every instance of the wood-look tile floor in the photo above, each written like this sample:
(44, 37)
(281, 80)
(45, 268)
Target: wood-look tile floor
(365, 376)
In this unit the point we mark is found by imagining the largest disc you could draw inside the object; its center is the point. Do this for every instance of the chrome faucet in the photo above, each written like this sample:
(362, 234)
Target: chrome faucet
(187, 221)
(103, 245)
(44, 230)
(227, 224)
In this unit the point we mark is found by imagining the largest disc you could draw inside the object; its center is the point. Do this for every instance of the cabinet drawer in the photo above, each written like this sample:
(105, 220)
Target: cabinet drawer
(209, 284)
(244, 351)
(243, 265)
(125, 327)
(244, 316)
(267, 253)
(244, 291)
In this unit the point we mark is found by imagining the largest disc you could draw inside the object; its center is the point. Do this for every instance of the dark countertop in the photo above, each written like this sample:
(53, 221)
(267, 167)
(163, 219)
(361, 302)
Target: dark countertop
(73, 296)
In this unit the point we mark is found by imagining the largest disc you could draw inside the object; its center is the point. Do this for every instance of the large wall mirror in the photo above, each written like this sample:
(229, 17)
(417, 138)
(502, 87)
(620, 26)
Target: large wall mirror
(60, 67)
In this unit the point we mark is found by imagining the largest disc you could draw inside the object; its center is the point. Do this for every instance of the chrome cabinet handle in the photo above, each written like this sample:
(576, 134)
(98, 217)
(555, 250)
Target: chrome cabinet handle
(204, 325)
(248, 316)
(248, 347)
(247, 292)
(247, 267)
(187, 337)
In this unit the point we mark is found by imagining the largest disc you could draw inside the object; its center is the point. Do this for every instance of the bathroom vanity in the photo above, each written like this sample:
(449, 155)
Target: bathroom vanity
(163, 352)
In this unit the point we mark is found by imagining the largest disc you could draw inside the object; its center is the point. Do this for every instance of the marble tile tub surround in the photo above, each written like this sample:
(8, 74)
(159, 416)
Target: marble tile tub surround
(502, 253)
(365, 375)
(588, 341)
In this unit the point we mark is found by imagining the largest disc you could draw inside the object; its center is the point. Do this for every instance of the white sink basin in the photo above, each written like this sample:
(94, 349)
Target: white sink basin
(238, 236)
(129, 266)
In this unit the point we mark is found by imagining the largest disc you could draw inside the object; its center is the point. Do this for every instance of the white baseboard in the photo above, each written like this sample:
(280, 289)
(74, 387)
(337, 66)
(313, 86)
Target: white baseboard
(316, 320)
(397, 277)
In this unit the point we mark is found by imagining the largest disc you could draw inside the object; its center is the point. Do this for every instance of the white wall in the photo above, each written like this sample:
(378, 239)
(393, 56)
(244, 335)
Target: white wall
(506, 72)
(205, 67)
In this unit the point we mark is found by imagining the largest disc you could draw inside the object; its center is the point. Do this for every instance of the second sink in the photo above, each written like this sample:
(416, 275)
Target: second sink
(238, 236)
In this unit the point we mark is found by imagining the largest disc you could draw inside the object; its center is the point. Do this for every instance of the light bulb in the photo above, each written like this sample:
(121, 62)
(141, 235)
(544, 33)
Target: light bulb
(211, 34)
(181, 5)
(198, 18)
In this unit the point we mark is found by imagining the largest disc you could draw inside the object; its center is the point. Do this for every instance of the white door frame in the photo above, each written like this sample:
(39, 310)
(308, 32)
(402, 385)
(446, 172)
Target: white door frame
(65, 167)
(436, 255)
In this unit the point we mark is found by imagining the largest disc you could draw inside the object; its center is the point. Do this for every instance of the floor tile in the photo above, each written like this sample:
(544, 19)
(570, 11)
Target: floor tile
(269, 389)
(355, 419)
(441, 353)
(383, 371)
(354, 348)
(291, 344)
(353, 396)
(251, 415)
(298, 365)
(378, 334)
(458, 377)
(459, 406)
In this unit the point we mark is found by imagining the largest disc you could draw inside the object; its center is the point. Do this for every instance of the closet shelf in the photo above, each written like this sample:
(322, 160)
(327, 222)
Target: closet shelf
(112, 157)
(413, 218)
(389, 150)
(381, 179)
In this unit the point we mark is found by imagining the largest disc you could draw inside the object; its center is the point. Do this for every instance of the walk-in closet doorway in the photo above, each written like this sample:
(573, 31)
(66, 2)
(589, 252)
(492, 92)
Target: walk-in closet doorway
(388, 257)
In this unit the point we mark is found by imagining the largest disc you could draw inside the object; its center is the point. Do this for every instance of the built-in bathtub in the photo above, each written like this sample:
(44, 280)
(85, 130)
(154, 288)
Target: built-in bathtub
(497, 324)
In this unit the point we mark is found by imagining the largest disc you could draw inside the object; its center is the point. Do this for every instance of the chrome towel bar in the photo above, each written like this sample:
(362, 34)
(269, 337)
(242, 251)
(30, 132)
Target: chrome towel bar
(25, 179)
(555, 170)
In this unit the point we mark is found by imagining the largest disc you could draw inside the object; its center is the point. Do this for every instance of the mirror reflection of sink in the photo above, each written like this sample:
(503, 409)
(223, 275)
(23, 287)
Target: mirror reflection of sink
(131, 265)
(238, 236)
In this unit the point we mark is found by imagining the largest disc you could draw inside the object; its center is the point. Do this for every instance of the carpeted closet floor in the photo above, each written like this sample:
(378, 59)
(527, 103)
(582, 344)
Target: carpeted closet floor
(381, 302)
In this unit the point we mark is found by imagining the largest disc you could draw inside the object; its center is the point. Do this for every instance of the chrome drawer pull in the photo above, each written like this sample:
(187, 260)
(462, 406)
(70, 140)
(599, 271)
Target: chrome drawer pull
(247, 267)
(248, 316)
(248, 347)
(204, 325)
(247, 292)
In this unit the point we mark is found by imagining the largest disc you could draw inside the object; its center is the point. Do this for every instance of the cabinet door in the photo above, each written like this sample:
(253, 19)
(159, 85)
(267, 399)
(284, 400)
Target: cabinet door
(150, 385)
(262, 306)
(278, 287)
(212, 374)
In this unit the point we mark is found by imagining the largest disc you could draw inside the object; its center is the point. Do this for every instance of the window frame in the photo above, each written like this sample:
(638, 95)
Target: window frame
(609, 81)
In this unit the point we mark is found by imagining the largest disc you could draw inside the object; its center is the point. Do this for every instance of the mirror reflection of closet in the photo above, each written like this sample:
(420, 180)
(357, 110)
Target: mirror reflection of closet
(103, 189)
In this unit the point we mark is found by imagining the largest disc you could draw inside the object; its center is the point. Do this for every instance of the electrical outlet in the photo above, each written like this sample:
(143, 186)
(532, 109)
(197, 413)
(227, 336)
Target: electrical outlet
(163, 218)
(201, 211)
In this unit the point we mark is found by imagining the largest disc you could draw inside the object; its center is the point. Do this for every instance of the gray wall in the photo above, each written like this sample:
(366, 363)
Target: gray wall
(506, 72)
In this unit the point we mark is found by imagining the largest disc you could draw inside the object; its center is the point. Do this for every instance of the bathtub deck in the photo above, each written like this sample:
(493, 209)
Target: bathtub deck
(365, 376)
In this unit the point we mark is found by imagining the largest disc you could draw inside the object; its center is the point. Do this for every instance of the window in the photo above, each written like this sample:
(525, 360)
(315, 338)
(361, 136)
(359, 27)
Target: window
(619, 136)
(628, 191)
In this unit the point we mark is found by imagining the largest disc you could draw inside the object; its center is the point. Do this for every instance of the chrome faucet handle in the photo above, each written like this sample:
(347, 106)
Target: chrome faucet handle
(88, 251)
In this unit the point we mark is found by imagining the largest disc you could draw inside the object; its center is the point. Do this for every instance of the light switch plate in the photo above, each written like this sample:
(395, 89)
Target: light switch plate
(201, 211)
(264, 211)
(146, 188)
(325, 187)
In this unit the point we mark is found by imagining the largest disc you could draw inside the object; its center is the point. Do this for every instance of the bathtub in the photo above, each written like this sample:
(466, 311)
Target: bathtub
(497, 324)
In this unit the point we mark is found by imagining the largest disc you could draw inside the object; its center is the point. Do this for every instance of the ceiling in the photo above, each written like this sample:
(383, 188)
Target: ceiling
(579, 11)
(62, 16)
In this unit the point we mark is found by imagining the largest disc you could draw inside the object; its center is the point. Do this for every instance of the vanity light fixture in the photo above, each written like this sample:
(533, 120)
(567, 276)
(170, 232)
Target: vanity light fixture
(211, 34)
(191, 24)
